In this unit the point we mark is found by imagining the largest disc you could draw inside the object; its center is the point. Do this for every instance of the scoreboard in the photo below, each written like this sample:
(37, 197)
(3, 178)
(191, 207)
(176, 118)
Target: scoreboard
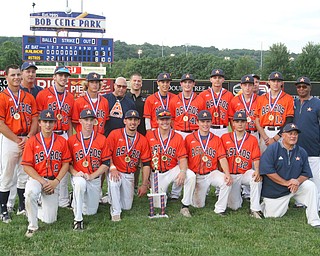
(73, 49)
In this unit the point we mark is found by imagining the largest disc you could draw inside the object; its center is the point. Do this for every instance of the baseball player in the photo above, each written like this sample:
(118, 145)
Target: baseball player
(46, 160)
(89, 152)
(274, 109)
(286, 172)
(217, 100)
(18, 121)
(127, 147)
(205, 150)
(256, 85)
(91, 100)
(242, 153)
(60, 101)
(28, 75)
(169, 147)
(158, 100)
(307, 117)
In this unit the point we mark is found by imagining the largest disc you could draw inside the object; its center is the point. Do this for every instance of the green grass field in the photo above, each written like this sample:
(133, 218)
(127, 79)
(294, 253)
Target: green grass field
(204, 234)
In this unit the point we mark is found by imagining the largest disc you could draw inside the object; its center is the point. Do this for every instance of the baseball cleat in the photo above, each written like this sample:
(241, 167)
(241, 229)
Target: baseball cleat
(78, 225)
(222, 214)
(116, 218)
(185, 212)
(256, 214)
(316, 226)
(30, 233)
(6, 217)
(22, 212)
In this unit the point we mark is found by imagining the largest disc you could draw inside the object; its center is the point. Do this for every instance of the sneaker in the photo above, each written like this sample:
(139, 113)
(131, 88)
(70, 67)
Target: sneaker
(11, 209)
(299, 206)
(115, 218)
(5, 217)
(30, 233)
(22, 212)
(78, 225)
(185, 212)
(104, 199)
(316, 226)
(256, 214)
(222, 214)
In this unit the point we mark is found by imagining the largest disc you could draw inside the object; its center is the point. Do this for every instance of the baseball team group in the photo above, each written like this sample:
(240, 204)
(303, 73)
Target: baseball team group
(261, 147)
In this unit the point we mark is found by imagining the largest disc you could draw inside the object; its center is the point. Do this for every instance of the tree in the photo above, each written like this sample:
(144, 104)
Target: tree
(244, 65)
(9, 54)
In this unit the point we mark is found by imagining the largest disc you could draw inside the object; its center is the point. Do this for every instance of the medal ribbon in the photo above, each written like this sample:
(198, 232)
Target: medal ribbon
(245, 104)
(86, 150)
(94, 109)
(162, 104)
(275, 102)
(164, 147)
(60, 103)
(16, 102)
(184, 103)
(238, 148)
(129, 147)
(204, 147)
(47, 150)
(216, 103)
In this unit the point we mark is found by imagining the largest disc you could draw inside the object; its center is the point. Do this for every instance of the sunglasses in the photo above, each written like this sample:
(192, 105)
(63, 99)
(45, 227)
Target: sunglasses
(122, 86)
(301, 87)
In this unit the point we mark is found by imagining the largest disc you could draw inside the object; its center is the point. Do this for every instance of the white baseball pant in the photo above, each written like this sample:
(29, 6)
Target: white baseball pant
(314, 162)
(270, 134)
(64, 192)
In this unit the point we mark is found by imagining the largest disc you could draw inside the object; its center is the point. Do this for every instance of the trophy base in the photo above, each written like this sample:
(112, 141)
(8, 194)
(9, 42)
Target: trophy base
(157, 216)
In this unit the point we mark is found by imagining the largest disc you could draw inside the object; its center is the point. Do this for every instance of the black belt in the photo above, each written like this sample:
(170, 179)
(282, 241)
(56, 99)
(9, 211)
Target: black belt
(23, 134)
(161, 171)
(60, 132)
(49, 177)
(218, 126)
(187, 131)
(251, 131)
(273, 128)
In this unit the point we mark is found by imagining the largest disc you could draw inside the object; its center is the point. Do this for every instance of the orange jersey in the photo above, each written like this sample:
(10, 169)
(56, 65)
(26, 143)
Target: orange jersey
(125, 160)
(34, 155)
(282, 109)
(102, 112)
(153, 104)
(175, 150)
(27, 109)
(196, 156)
(178, 111)
(237, 104)
(220, 113)
(97, 153)
(249, 152)
(46, 99)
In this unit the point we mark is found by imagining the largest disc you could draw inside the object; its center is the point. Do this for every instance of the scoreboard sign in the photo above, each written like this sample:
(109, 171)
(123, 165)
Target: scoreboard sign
(73, 49)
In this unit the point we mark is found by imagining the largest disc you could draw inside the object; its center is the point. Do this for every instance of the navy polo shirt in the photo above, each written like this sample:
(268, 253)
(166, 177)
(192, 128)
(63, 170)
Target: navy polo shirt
(307, 117)
(34, 90)
(288, 164)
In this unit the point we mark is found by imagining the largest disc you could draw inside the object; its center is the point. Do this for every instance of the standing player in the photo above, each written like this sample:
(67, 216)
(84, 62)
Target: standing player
(127, 147)
(158, 100)
(92, 100)
(169, 147)
(28, 76)
(205, 150)
(307, 117)
(60, 101)
(274, 109)
(46, 160)
(243, 151)
(89, 152)
(217, 100)
(256, 85)
(18, 121)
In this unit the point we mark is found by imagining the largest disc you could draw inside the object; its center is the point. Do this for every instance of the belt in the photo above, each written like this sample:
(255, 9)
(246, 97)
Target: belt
(23, 134)
(161, 171)
(218, 126)
(187, 131)
(252, 131)
(272, 128)
(60, 132)
(49, 177)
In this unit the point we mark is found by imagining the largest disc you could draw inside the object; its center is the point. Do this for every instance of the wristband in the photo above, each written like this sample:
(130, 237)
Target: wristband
(57, 179)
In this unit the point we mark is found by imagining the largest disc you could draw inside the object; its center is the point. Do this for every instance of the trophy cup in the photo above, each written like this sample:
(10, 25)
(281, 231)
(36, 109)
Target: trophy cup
(156, 193)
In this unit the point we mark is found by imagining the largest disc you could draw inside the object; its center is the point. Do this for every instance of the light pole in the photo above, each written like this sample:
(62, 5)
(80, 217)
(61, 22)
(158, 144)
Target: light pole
(139, 52)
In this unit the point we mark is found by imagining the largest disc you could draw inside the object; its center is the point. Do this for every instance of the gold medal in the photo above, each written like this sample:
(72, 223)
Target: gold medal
(271, 117)
(95, 122)
(155, 160)
(185, 118)
(59, 116)
(238, 160)
(85, 163)
(127, 159)
(164, 158)
(248, 119)
(16, 116)
(205, 159)
(215, 114)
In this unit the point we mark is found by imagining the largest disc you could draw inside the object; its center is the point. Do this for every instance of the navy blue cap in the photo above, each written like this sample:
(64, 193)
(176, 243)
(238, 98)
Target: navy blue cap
(217, 72)
(303, 80)
(187, 77)
(290, 127)
(47, 115)
(27, 65)
(94, 77)
(247, 79)
(87, 113)
(164, 77)
(275, 76)
(204, 115)
(240, 116)
(132, 114)
(255, 76)
(163, 114)
(62, 70)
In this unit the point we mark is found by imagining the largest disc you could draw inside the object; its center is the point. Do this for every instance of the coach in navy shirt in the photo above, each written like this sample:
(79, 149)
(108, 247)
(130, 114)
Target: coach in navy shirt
(286, 172)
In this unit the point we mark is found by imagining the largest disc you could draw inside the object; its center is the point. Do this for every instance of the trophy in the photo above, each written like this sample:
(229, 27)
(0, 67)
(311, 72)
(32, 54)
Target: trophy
(155, 193)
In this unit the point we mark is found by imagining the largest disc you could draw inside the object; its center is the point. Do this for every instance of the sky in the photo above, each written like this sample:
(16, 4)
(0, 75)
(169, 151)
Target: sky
(224, 24)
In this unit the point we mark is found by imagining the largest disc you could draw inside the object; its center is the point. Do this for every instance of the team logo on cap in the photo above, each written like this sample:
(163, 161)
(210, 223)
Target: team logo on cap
(302, 80)
(217, 71)
(95, 76)
(205, 114)
(276, 75)
(88, 112)
(48, 114)
(239, 115)
(247, 78)
(133, 113)
(293, 126)
(187, 76)
(165, 76)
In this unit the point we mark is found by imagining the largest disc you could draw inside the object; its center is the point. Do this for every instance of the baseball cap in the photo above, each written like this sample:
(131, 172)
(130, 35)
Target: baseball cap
(132, 114)
(62, 70)
(87, 113)
(163, 114)
(93, 77)
(275, 76)
(187, 77)
(303, 80)
(255, 76)
(204, 115)
(217, 72)
(47, 115)
(290, 127)
(164, 77)
(247, 79)
(27, 65)
(240, 116)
